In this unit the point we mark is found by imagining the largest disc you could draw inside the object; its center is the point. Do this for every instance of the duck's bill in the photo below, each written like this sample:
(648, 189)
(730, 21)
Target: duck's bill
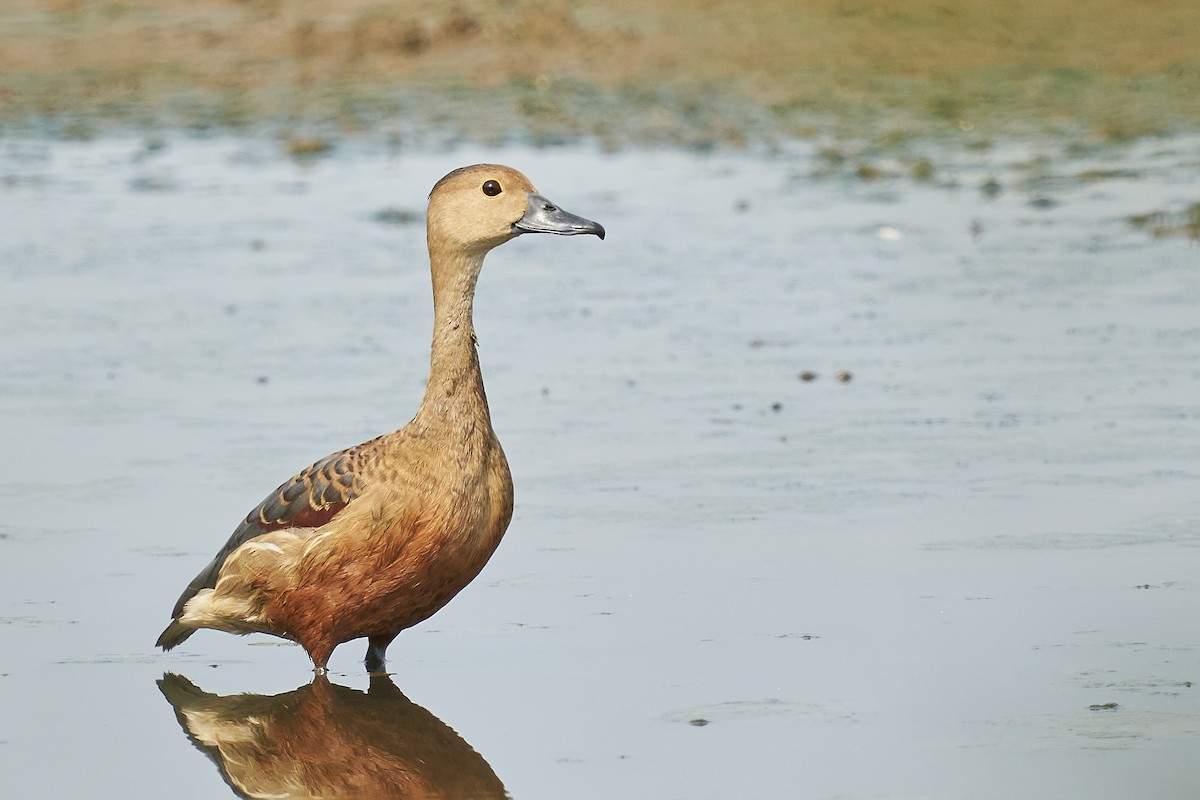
(542, 216)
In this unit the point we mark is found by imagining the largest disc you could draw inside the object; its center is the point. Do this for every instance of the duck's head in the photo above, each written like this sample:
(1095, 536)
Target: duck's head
(476, 208)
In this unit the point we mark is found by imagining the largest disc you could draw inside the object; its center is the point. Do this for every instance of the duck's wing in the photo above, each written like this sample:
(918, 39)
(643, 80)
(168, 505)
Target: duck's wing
(309, 500)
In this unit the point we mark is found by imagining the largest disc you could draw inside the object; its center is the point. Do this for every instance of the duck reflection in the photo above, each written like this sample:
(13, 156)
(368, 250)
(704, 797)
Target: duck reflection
(324, 741)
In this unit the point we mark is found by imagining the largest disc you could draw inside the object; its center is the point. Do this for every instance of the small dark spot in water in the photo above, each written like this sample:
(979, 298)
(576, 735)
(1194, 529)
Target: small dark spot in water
(991, 187)
(630, 383)
(1092, 175)
(869, 172)
(777, 406)
(758, 343)
(844, 376)
(742, 205)
(308, 146)
(922, 170)
(213, 666)
(831, 155)
(1103, 707)
(976, 230)
(699, 722)
(1043, 203)
(1163, 224)
(545, 391)
(808, 375)
(737, 406)
(150, 183)
(78, 130)
(257, 244)
(231, 308)
(262, 380)
(397, 216)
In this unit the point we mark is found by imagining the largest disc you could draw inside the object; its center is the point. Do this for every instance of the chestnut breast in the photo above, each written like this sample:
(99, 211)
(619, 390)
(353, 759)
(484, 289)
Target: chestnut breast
(405, 547)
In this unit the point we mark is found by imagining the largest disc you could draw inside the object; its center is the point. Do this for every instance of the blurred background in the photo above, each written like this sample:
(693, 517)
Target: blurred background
(697, 73)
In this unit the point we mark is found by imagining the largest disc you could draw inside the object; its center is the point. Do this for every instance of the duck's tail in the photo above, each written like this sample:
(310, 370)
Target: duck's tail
(175, 634)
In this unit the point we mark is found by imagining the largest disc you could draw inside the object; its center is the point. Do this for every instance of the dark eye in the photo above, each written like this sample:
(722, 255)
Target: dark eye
(491, 188)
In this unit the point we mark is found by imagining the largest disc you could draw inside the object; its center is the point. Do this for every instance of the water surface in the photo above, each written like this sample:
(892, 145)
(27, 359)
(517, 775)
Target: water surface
(967, 571)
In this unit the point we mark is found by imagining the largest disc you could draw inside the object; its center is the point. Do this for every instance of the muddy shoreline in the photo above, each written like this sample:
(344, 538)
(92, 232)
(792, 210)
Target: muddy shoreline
(676, 73)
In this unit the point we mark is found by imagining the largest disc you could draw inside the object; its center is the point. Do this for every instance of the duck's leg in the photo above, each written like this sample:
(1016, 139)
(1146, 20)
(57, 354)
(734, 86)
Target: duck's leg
(376, 660)
(320, 653)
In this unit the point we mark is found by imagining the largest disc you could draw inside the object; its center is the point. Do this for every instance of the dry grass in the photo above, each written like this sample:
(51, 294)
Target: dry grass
(694, 70)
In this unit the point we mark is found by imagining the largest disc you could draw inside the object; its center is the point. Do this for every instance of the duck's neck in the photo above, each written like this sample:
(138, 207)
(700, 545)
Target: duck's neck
(454, 396)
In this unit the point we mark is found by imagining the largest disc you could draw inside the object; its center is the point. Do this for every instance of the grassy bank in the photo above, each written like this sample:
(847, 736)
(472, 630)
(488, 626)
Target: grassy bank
(686, 72)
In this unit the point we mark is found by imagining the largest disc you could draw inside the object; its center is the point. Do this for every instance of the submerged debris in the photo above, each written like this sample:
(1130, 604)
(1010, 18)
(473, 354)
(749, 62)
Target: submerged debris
(1164, 224)
(922, 170)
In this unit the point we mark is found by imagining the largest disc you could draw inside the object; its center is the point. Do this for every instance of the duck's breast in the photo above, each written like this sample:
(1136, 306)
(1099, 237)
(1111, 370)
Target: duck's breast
(402, 550)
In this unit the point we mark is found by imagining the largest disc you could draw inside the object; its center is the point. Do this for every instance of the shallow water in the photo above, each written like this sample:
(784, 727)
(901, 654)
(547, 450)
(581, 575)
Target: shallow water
(929, 581)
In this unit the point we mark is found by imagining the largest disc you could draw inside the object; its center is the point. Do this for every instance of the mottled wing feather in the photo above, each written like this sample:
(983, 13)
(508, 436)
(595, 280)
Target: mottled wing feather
(309, 500)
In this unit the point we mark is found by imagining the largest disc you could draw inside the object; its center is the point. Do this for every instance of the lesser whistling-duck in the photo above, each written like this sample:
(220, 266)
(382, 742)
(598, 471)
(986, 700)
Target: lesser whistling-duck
(328, 741)
(373, 539)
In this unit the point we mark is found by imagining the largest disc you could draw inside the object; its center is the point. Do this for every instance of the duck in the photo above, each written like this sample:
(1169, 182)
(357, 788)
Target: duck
(376, 538)
(323, 740)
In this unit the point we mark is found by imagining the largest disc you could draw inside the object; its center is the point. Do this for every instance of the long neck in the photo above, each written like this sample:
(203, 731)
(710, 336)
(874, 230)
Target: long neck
(454, 395)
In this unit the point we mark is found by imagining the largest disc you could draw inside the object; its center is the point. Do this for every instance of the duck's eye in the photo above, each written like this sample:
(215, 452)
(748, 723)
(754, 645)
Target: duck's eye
(491, 188)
